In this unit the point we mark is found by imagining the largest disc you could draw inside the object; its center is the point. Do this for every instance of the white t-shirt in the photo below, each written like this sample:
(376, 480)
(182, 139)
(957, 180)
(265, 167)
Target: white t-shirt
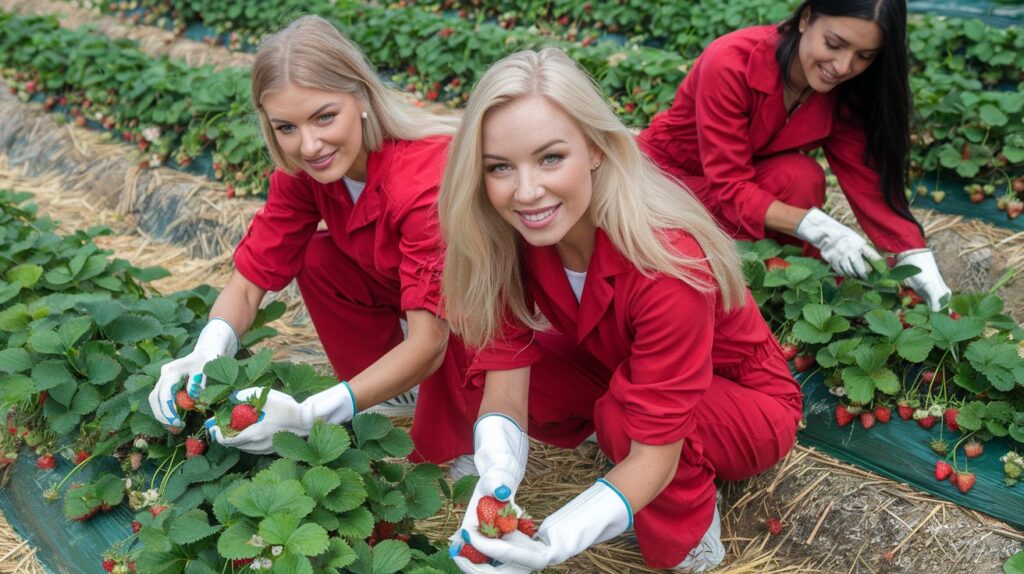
(576, 281)
(355, 188)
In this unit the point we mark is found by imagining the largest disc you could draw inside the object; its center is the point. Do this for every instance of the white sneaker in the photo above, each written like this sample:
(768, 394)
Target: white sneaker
(404, 405)
(709, 552)
(462, 466)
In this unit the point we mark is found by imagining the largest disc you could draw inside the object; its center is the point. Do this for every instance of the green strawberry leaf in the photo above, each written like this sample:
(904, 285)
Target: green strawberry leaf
(222, 370)
(356, 524)
(1015, 565)
(191, 527)
(390, 556)
(914, 344)
(15, 361)
(885, 323)
(26, 275)
(370, 426)
(350, 493)
(233, 543)
(327, 442)
(339, 554)
(319, 481)
(259, 500)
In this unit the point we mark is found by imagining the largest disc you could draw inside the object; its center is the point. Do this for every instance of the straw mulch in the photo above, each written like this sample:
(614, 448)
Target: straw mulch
(838, 518)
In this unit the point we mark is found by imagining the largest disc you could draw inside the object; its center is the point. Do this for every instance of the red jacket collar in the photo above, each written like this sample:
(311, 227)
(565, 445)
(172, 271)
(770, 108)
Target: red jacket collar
(763, 72)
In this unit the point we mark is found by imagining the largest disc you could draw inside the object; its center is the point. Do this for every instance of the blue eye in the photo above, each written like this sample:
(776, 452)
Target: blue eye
(324, 118)
(285, 128)
(497, 167)
(551, 159)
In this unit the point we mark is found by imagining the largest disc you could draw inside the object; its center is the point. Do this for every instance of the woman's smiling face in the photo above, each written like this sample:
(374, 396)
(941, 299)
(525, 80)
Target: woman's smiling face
(834, 49)
(537, 174)
(321, 132)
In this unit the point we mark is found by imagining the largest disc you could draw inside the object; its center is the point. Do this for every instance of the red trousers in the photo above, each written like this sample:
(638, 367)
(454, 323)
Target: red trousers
(741, 431)
(357, 320)
(793, 178)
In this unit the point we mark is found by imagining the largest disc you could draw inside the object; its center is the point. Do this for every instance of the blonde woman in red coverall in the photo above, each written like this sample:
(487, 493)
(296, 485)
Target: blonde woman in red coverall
(648, 335)
(367, 164)
(834, 76)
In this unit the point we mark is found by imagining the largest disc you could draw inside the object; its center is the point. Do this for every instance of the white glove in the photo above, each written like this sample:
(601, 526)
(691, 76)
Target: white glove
(217, 339)
(599, 513)
(283, 413)
(841, 246)
(928, 282)
(501, 449)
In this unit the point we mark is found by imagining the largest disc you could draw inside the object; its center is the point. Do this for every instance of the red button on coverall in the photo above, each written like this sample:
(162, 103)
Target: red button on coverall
(652, 360)
(729, 138)
(377, 259)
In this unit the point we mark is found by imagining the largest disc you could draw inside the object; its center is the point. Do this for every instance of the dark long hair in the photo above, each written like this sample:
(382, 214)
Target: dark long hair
(879, 96)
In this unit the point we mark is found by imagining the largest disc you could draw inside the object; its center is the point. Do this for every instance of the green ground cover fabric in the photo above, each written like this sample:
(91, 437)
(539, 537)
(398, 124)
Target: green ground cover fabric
(956, 202)
(62, 546)
(900, 450)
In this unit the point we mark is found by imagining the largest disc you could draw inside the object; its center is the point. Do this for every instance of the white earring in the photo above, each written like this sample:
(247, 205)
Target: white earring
(364, 115)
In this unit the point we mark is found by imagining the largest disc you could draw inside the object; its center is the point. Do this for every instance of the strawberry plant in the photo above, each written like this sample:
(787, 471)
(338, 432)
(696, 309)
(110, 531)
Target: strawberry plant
(876, 345)
(82, 338)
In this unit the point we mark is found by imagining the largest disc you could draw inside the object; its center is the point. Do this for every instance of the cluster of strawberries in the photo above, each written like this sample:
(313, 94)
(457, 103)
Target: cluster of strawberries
(243, 415)
(497, 519)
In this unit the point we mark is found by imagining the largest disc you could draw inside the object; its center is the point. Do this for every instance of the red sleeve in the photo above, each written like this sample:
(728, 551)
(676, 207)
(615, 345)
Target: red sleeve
(514, 348)
(723, 103)
(272, 251)
(888, 230)
(422, 253)
(670, 365)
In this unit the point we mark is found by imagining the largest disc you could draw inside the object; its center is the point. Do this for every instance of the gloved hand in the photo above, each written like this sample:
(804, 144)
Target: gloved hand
(283, 413)
(599, 513)
(217, 339)
(840, 246)
(928, 283)
(500, 451)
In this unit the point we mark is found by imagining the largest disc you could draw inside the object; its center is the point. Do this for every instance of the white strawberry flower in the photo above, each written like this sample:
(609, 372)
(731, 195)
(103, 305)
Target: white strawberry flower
(936, 410)
(277, 550)
(261, 564)
(127, 483)
(257, 541)
(151, 133)
(140, 443)
(838, 391)
(150, 497)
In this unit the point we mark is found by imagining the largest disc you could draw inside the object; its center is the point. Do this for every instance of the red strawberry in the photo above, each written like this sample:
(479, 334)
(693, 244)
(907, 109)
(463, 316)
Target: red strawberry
(108, 565)
(883, 413)
(46, 462)
(81, 457)
(927, 422)
(243, 416)
(776, 263)
(954, 315)
(156, 509)
(942, 470)
(194, 447)
(789, 351)
(241, 562)
(973, 449)
(507, 520)
(527, 526)
(184, 400)
(927, 376)
(803, 362)
(905, 411)
(774, 526)
(867, 419)
(1014, 208)
(472, 554)
(964, 481)
(136, 526)
(487, 512)
(950, 417)
(843, 415)
(914, 299)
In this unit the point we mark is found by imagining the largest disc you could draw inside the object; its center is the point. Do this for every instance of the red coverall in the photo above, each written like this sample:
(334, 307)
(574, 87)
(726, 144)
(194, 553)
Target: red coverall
(377, 259)
(652, 360)
(729, 138)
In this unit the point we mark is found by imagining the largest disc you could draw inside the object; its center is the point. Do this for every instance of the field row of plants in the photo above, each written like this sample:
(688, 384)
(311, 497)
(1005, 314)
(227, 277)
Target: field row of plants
(883, 351)
(965, 76)
(82, 339)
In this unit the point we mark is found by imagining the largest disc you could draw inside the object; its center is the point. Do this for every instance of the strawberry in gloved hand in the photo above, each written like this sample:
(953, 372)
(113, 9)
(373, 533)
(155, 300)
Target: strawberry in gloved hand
(253, 426)
(216, 340)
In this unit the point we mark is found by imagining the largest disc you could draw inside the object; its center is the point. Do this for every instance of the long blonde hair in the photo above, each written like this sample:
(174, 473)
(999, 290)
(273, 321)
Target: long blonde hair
(633, 202)
(311, 53)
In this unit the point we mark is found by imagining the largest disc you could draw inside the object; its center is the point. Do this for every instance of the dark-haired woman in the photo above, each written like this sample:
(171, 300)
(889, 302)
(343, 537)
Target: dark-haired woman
(833, 75)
